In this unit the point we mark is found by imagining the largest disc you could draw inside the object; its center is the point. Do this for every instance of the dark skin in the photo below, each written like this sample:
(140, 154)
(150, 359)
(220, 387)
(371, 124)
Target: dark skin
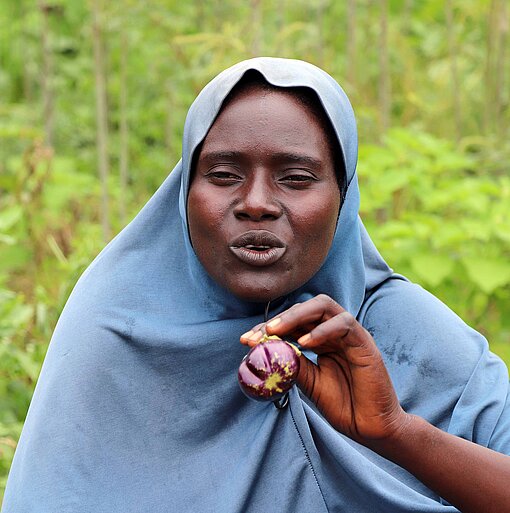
(350, 384)
(265, 166)
(352, 389)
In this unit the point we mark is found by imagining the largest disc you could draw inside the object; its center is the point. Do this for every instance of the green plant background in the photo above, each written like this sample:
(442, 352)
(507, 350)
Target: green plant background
(429, 81)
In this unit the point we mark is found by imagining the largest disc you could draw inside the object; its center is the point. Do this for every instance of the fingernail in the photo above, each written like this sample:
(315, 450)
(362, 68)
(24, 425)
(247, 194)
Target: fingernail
(256, 336)
(248, 334)
(304, 339)
(274, 322)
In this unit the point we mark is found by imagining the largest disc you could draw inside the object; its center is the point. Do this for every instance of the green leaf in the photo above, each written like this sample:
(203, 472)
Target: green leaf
(14, 257)
(432, 269)
(488, 274)
(9, 217)
(7, 239)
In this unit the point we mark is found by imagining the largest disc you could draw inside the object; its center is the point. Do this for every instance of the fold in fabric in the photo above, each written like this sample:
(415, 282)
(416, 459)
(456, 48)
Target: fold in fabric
(137, 407)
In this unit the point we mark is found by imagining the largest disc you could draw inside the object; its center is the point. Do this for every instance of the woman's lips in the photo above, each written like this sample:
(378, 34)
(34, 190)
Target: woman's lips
(256, 257)
(258, 248)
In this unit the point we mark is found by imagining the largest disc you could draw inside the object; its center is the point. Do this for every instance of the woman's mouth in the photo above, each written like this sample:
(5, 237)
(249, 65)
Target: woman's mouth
(258, 248)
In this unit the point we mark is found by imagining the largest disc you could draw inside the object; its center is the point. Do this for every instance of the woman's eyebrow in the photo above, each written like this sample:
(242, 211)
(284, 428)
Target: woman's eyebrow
(214, 156)
(220, 155)
(297, 158)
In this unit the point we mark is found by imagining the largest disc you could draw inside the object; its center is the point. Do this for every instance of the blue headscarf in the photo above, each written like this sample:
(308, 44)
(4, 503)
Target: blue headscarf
(138, 408)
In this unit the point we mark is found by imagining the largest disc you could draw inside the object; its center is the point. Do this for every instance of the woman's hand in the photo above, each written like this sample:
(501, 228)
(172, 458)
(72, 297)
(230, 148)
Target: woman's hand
(351, 387)
(350, 384)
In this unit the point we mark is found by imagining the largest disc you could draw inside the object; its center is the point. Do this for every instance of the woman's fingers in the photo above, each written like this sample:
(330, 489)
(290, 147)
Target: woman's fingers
(346, 350)
(319, 324)
(340, 333)
(330, 328)
(308, 376)
(309, 313)
(250, 338)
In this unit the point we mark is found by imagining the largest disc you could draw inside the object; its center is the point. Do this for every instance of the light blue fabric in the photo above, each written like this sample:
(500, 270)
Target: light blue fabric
(138, 408)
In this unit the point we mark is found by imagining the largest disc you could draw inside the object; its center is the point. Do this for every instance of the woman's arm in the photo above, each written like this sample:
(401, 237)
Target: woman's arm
(471, 477)
(351, 387)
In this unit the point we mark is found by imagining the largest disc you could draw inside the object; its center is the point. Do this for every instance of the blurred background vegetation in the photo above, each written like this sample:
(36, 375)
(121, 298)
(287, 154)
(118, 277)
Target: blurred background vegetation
(93, 97)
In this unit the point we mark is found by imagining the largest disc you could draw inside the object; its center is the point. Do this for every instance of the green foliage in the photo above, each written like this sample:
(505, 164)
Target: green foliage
(438, 210)
(443, 222)
(19, 368)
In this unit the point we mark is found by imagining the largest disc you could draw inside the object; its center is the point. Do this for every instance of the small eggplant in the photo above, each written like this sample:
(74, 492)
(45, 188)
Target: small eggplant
(269, 370)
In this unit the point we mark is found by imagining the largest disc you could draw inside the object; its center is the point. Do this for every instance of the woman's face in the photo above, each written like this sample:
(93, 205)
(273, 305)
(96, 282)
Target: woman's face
(264, 199)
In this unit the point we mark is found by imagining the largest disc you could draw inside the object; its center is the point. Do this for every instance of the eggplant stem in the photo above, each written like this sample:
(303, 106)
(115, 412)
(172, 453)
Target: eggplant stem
(282, 402)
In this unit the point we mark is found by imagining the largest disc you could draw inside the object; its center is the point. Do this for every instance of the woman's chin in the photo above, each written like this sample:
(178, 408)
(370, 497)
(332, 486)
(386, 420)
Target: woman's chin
(256, 295)
(260, 293)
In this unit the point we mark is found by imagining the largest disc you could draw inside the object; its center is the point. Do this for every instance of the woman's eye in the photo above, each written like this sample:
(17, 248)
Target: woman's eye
(298, 179)
(223, 177)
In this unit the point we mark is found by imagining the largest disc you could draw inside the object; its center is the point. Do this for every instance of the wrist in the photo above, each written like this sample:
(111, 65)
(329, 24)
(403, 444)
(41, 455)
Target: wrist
(403, 435)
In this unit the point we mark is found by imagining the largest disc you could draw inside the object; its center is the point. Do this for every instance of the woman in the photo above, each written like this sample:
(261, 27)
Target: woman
(138, 408)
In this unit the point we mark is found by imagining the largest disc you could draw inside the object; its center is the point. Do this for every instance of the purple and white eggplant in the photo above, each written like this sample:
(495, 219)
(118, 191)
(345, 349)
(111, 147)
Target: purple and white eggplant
(269, 370)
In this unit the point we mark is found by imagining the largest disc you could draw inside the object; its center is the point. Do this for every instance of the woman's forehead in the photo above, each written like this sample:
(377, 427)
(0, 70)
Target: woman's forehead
(288, 107)
(253, 83)
(297, 76)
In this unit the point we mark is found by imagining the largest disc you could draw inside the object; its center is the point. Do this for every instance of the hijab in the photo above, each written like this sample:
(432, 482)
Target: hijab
(137, 407)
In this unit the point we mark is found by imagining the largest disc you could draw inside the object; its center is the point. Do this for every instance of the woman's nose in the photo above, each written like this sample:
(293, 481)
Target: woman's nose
(257, 202)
